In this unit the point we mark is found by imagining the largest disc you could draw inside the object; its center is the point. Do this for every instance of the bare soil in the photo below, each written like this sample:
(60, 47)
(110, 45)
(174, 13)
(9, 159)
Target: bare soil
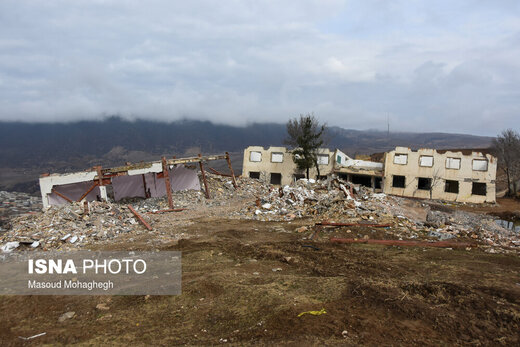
(373, 295)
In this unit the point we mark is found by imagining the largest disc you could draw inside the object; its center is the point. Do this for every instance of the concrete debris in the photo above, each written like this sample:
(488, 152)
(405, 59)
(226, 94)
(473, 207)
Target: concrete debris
(14, 204)
(335, 209)
(9, 246)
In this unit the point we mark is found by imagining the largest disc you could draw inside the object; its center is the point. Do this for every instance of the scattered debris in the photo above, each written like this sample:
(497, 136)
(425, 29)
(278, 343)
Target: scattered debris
(328, 210)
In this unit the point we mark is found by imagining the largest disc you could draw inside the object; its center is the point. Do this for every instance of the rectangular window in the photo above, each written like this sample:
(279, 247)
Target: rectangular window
(453, 163)
(398, 181)
(426, 160)
(255, 175)
(478, 188)
(255, 156)
(451, 186)
(277, 157)
(401, 159)
(480, 165)
(323, 159)
(276, 178)
(424, 183)
(338, 159)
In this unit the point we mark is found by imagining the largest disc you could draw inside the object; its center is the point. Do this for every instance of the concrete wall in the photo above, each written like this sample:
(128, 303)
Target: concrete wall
(438, 173)
(286, 168)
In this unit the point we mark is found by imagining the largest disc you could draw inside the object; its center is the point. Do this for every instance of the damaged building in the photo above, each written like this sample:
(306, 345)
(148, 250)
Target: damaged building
(460, 175)
(145, 180)
(457, 175)
(453, 175)
(275, 165)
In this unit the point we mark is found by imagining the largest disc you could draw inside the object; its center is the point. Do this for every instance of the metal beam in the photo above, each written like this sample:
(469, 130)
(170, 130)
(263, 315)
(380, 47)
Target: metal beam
(88, 191)
(442, 244)
(147, 226)
(228, 159)
(167, 182)
(204, 178)
(61, 195)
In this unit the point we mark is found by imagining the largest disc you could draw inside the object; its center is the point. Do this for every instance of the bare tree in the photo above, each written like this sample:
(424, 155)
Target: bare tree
(305, 135)
(435, 181)
(506, 147)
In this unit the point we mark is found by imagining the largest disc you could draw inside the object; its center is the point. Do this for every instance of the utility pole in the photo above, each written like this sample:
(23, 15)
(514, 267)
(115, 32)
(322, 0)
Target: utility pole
(387, 126)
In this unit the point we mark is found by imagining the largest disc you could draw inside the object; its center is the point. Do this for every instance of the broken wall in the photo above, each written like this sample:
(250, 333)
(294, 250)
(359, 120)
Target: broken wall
(267, 164)
(447, 172)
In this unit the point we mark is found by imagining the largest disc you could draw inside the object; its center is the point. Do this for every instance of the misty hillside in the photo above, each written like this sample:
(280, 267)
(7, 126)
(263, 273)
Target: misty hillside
(29, 149)
(24, 144)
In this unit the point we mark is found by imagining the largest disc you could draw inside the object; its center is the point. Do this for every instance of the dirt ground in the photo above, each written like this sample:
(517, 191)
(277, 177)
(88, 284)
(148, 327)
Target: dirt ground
(245, 282)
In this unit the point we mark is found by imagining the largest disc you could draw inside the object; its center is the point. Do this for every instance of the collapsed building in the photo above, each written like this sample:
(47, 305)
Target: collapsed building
(457, 175)
(145, 180)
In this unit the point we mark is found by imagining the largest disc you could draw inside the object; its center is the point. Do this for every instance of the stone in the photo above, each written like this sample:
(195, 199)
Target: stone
(67, 315)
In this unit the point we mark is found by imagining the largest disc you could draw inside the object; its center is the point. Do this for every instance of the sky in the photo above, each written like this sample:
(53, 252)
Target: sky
(450, 66)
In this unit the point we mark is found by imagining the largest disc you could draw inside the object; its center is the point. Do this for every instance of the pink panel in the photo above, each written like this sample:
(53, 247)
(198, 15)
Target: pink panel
(128, 187)
(73, 191)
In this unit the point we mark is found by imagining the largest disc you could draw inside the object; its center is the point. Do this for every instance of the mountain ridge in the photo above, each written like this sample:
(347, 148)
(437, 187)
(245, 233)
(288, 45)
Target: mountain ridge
(29, 149)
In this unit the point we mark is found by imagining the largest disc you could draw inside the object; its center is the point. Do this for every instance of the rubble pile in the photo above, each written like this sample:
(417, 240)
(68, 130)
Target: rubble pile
(60, 226)
(16, 203)
(72, 226)
(359, 205)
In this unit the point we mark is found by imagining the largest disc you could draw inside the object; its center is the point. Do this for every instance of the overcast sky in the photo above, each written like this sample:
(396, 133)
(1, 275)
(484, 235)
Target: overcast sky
(450, 66)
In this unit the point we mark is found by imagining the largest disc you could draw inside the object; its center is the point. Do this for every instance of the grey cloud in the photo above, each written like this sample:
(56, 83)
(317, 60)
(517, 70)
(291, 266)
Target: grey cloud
(429, 67)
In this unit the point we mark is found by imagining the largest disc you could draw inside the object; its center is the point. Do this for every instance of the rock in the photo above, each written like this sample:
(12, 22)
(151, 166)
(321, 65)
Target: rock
(9, 246)
(67, 315)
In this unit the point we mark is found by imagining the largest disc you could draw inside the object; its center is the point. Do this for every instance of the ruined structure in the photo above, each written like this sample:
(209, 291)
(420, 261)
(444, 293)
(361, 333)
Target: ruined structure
(461, 175)
(465, 176)
(275, 165)
(151, 179)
